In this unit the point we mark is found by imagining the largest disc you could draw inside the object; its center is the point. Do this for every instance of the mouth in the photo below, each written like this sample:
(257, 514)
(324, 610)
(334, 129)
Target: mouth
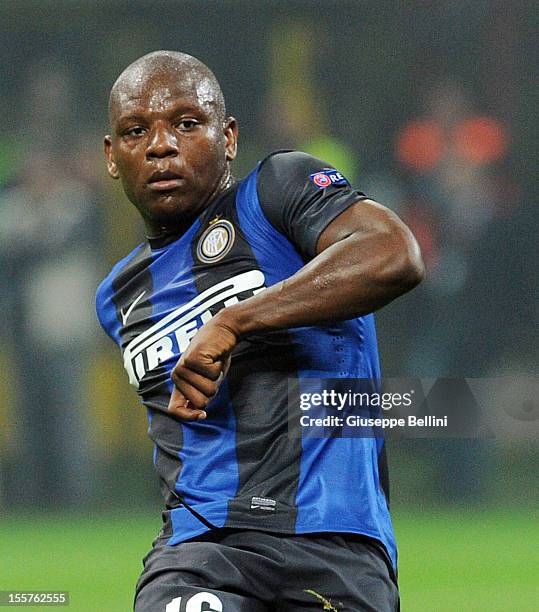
(165, 180)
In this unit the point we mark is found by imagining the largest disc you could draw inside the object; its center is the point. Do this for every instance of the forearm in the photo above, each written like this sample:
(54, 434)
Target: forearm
(366, 258)
(351, 278)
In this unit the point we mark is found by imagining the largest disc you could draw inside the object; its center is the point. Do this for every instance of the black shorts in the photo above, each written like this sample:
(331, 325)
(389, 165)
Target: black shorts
(230, 570)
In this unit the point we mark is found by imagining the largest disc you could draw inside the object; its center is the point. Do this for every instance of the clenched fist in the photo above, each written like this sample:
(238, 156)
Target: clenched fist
(201, 369)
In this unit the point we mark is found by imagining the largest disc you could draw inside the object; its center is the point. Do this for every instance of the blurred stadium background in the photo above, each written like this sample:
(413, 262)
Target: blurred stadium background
(426, 106)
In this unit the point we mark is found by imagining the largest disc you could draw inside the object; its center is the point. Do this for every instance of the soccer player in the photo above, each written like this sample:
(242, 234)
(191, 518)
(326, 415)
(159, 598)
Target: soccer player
(238, 287)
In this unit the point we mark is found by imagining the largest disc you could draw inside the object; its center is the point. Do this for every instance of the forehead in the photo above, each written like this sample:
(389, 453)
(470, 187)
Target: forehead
(161, 91)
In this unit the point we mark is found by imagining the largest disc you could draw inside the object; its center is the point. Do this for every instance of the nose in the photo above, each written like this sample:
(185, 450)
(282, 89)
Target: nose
(162, 143)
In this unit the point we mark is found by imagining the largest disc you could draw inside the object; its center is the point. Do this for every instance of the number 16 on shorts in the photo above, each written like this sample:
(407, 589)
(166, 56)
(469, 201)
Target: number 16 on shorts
(195, 604)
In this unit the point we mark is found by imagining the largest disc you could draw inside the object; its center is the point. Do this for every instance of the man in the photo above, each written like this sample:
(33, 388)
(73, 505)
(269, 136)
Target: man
(249, 284)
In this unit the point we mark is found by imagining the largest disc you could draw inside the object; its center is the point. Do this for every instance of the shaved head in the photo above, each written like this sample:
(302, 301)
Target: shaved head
(182, 70)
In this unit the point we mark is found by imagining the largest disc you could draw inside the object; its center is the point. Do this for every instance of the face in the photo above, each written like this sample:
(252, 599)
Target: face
(169, 147)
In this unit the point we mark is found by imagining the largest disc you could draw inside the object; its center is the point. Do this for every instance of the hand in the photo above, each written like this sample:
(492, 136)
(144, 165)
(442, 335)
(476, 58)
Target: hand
(201, 369)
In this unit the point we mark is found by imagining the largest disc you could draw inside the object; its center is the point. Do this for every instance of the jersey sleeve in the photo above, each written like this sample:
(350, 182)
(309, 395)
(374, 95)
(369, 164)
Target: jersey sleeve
(300, 195)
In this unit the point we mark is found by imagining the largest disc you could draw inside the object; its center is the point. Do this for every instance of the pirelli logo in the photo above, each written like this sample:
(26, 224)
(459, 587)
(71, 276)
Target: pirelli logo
(169, 337)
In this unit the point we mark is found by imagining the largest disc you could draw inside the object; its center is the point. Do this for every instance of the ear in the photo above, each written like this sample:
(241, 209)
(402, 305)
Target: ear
(231, 136)
(111, 164)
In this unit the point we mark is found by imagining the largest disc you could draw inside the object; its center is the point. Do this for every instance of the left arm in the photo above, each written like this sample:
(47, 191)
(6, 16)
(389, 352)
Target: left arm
(366, 257)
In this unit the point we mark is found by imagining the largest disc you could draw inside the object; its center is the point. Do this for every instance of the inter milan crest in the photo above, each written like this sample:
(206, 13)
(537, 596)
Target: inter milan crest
(216, 241)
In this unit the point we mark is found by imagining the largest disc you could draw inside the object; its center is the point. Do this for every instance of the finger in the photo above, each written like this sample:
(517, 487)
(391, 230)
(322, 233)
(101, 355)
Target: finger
(196, 399)
(201, 383)
(203, 365)
(225, 365)
(186, 414)
(179, 406)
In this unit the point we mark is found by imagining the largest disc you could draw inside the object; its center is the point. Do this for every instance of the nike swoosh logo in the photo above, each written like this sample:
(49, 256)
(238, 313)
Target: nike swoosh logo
(125, 315)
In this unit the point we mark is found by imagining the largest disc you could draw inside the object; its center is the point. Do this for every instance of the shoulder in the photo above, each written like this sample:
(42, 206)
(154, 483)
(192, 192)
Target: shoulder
(300, 194)
(295, 174)
(288, 164)
(118, 267)
(104, 298)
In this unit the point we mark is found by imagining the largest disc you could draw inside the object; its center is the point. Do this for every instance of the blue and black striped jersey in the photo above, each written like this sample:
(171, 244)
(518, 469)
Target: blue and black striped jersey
(240, 467)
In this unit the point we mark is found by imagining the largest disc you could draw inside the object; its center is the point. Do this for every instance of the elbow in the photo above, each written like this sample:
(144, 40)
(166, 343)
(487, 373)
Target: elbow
(412, 266)
(384, 256)
(410, 270)
(403, 267)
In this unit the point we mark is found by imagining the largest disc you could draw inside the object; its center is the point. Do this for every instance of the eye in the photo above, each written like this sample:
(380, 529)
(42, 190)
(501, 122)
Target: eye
(135, 131)
(187, 124)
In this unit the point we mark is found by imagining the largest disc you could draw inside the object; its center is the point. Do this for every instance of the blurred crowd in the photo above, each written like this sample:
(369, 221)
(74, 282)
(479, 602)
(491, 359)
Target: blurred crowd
(448, 169)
